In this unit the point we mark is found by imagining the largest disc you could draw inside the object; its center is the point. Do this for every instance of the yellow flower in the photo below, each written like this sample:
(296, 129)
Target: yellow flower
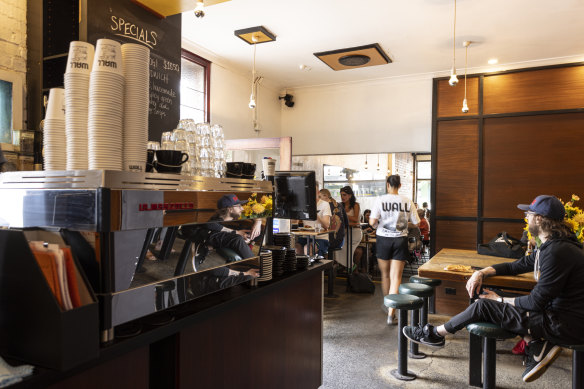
(575, 198)
(579, 218)
(258, 208)
(573, 224)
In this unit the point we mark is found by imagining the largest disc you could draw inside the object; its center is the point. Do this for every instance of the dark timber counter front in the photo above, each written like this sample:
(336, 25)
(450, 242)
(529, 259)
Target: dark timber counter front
(268, 336)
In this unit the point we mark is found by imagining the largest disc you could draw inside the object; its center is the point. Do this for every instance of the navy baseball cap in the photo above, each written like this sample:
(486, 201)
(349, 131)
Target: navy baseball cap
(229, 201)
(544, 205)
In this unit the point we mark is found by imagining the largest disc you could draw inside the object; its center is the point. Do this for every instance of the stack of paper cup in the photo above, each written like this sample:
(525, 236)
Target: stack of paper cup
(106, 107)
(136, 60)
(54, 143)
(269, 166)
(79, 65)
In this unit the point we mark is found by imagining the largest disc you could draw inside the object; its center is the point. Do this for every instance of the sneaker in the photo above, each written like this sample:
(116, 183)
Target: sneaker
(423, 335)
(540, 355)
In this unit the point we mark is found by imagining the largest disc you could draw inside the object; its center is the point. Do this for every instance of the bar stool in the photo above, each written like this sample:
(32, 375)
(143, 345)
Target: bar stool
(403, 303)
(331, 274)
(577, 365)
(423, 291)
(489, 333)
(430, 303)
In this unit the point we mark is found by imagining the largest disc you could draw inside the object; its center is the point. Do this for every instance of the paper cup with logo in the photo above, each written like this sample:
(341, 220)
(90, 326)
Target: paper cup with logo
(56, 104)
(108, 57)
(80, 59)
(269, 166)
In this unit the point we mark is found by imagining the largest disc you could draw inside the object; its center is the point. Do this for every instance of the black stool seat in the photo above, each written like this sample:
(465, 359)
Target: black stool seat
(489, 330)
(419, 290)
(489, 333)
(426, 281)
(403, 301)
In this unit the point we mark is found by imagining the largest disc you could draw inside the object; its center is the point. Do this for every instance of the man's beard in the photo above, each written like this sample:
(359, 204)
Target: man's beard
(235, 214)
(534, 230)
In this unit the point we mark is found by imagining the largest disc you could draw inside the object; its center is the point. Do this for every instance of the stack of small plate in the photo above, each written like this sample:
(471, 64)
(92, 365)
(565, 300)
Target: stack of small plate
(79, 63)
(55, 150)
(106, 106)
(136, 60)
(278, 256)
(282, 239)
(265, 265)
(290, 260)
(302, 262)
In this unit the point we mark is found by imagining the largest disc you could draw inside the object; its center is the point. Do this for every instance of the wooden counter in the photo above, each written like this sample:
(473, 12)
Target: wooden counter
(254, 337)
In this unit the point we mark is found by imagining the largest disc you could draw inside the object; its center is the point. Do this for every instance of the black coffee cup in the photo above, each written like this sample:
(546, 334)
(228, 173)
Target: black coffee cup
(234, 169)
(248, 170)
(169, 161)
(149, 160)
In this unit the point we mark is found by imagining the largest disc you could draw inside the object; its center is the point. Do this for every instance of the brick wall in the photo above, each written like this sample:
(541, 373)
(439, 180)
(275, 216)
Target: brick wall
(403, 164)
(13, 35)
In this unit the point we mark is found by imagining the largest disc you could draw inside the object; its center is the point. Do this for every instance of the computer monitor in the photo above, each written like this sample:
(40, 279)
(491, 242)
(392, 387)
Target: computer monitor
(295, 195)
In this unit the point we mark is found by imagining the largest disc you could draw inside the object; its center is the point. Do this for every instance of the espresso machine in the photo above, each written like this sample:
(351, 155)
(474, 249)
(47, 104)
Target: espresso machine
(112, 221)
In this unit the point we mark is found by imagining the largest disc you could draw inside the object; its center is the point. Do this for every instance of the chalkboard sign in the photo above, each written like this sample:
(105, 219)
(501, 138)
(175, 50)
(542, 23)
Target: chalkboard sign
(125, 22)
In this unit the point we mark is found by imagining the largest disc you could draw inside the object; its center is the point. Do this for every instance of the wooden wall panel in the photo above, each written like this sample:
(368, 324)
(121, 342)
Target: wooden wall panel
(491, 229)
(450, 97)
(530, 155)
(547, 89)
(455, 234)
(457, 167)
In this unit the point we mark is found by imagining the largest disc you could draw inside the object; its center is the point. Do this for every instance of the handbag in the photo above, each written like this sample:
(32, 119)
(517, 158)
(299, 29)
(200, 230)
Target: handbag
(361, 283)
(503, 245)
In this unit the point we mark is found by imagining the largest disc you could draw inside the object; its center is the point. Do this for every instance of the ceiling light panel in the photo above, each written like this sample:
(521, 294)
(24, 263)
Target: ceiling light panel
(354, 57)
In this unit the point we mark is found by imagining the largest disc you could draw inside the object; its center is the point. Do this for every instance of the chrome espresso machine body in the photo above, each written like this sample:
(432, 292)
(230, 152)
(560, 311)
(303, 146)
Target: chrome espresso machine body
(112, 221)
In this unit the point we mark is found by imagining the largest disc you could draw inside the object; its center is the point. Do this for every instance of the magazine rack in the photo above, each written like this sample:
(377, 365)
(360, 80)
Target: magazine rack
(33, 327)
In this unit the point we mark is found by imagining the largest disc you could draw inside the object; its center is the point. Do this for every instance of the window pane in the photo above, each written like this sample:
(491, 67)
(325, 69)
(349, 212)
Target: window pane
(423, 194)
(192, 98)
(187, 112)
(193, 75)
(424, 170)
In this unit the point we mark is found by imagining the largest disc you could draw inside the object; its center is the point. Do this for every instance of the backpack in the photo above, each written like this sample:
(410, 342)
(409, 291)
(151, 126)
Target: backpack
(338, 222)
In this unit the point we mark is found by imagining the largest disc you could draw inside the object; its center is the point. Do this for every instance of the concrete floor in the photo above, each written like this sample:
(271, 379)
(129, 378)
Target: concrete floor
(360, 350)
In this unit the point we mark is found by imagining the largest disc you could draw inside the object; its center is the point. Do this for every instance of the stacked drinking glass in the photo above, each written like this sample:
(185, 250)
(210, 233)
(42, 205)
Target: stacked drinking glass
(218, 147)
(79, 63)
(55, 150)
(106, 107)
(136, 59)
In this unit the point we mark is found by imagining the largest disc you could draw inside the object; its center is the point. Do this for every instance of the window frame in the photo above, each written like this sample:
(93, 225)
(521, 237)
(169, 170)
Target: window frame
(206, 64)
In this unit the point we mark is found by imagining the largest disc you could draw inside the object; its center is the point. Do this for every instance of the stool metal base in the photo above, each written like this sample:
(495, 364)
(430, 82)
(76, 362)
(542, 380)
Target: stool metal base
(410, 376)
(419, 355)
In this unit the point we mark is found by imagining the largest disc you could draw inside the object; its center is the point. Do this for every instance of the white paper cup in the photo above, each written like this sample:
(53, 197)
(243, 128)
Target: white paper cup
(108, 57)
(56, 104)
(269, 166)
(80, 59)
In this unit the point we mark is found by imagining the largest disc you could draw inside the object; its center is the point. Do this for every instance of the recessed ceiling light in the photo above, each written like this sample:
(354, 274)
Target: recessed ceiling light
(493, 61)
(306, 68)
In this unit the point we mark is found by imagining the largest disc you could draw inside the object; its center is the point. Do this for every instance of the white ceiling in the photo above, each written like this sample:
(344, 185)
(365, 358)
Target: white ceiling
(416, 34)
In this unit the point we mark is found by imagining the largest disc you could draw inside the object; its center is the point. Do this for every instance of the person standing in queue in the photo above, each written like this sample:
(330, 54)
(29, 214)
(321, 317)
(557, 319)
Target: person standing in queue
(353, 211)
(390, 216)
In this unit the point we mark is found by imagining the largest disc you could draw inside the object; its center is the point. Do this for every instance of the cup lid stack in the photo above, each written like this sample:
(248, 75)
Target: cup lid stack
(136, 59)
(55, 150)
(106, 105)
(79, 63)
(265, 265)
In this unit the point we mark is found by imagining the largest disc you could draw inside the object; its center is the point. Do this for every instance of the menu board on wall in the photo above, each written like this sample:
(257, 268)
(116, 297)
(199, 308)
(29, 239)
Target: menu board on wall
(126, 22)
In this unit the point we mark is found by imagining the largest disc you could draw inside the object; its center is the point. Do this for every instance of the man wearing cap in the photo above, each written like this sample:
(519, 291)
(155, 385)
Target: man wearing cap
(552, 314)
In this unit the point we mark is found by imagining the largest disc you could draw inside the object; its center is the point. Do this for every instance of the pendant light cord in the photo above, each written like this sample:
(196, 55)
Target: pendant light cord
(454, 40)
(465, 66)
(253, 72)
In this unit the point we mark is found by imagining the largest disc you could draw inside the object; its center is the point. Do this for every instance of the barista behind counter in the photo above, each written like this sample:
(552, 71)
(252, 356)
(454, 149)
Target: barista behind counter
(229, 208)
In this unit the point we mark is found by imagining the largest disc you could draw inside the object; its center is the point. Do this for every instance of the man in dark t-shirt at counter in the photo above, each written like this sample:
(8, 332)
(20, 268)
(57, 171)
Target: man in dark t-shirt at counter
(230, 208)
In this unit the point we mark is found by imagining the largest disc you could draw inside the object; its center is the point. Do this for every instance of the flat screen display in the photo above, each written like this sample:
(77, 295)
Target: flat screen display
(295, 195)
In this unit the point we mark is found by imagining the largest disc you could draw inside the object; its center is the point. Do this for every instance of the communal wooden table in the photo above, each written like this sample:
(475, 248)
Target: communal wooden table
(451, 296)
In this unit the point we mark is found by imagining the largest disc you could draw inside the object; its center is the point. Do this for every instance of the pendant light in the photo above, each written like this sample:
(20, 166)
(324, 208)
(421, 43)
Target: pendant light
(464, 103)
(378, 169)
(453, 79)
(366, 167)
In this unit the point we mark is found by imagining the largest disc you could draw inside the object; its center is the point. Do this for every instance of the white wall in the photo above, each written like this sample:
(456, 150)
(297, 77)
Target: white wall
(380, 116)
(230, 92)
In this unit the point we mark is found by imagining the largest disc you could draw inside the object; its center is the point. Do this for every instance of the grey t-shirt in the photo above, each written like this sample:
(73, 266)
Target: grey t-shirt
(394, 212)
